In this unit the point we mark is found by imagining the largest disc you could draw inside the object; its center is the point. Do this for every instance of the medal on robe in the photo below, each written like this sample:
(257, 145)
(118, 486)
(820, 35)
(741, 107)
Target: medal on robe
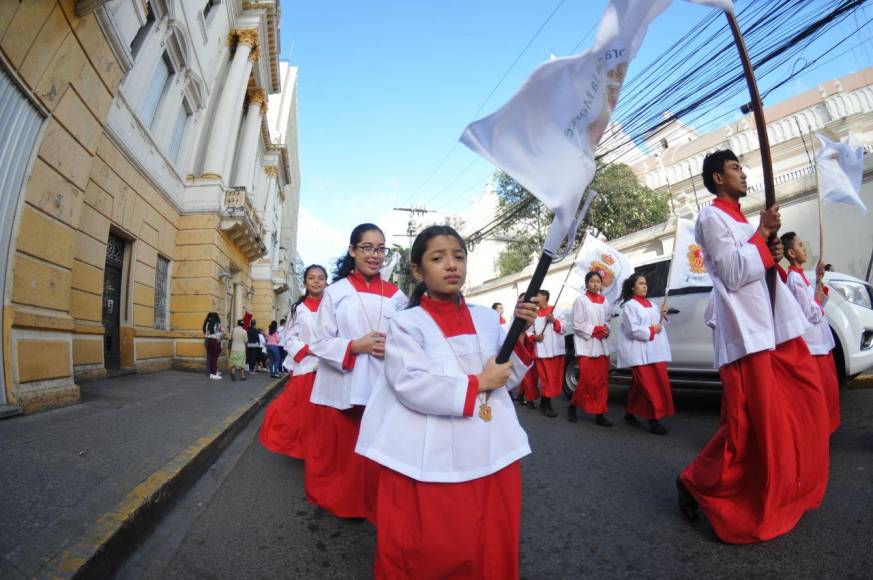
(485, 412)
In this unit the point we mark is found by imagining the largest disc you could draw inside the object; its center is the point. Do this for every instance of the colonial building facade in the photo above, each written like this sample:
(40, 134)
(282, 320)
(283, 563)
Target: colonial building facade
(149, 175)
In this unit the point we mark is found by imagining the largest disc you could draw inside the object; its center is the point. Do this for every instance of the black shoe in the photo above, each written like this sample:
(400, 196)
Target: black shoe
(546, 408)
(530, 405)
(602, 421)
(687, 503)
(520, 400)
(631, 420)
(571, 414)
(232, 375)
(656, 427)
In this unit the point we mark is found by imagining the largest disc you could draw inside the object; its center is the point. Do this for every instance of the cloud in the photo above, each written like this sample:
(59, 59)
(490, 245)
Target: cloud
(317, 241)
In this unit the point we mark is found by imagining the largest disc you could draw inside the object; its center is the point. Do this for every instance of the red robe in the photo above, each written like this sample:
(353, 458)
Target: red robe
(287, 418)
(768, 462)
(592, 391)
(649, 395)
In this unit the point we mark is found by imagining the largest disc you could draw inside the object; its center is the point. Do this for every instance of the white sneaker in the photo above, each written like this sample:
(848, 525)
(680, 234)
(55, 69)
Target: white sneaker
(215, 377)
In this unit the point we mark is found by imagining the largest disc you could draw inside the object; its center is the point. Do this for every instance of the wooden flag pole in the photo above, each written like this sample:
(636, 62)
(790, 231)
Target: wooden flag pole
(761, 128)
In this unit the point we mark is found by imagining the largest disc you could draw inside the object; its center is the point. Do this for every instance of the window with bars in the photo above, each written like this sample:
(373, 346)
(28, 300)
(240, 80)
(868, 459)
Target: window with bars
(162, 294)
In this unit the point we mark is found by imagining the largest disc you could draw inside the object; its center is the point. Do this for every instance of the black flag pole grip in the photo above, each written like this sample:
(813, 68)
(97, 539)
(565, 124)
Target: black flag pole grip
(518, 324)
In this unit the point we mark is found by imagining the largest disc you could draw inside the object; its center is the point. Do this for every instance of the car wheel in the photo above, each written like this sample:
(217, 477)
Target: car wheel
(571, 377)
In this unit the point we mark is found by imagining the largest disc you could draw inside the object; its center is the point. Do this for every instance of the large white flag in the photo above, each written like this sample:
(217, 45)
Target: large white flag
(687, 267)
(613, 266)
(545, 136)
(840, 168)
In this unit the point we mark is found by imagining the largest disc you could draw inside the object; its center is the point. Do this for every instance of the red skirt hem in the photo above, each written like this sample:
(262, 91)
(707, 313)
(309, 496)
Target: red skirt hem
(529, 386)
(550, 372)
(449, 530)
(649, 395)
(768, 462)
(335, 477)
(592, 390)
(831, 385)
(286, 420)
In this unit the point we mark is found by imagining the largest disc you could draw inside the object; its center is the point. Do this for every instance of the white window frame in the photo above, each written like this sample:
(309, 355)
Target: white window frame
(142, 34)
(151, 91)
(178, 132)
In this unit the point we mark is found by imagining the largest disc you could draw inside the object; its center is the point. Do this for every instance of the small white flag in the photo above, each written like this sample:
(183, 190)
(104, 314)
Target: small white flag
(687, 267)
(613, 266)
(840, 168)
(545, 136)
(388, 269)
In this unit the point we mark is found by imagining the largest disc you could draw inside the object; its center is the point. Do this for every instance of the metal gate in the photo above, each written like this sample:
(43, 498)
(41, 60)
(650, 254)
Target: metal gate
(19, 127)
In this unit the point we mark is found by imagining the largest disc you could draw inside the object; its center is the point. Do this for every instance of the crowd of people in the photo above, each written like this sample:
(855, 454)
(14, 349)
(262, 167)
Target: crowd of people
(404, 418)
(250, 348)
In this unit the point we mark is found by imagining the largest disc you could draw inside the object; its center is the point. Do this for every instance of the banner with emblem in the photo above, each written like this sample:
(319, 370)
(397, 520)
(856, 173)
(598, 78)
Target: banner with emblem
(687, 268)
(613, 266)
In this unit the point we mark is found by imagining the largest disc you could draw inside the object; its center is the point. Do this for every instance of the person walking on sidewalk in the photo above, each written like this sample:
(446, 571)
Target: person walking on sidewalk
(253, 345)
(238, 339)
(273, 352)
(212, 332)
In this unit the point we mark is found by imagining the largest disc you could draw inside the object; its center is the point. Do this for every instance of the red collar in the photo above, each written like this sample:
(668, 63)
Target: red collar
(453, 319)
(311, 303)
(502, 320)
(732, 208)
(799, 271)
(375, 286)
(595, 298)
(545, 311)
(643, 301)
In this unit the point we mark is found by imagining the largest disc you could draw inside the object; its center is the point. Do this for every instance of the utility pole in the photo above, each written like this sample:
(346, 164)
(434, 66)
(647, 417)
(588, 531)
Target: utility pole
(411, 227)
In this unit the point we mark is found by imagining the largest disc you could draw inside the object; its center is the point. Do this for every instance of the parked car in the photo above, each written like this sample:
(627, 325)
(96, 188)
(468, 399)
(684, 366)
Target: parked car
(849, 312)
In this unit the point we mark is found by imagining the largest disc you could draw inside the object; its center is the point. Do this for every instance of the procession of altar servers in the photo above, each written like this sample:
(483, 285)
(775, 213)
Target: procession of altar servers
(403, 442)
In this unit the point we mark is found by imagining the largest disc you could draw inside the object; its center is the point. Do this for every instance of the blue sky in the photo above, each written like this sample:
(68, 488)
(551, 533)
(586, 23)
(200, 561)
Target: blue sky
(386, 87)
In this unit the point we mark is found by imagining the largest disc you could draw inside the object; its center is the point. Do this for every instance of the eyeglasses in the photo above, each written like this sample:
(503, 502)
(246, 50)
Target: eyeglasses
(370, 250)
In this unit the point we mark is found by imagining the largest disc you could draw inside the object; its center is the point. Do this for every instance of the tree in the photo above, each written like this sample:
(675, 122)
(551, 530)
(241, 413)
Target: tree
(623, 206)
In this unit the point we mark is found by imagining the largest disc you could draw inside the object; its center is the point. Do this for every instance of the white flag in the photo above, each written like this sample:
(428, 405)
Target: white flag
(545, 136)
(840, 167)
(613, 266)
(687, 267)
(387, 270)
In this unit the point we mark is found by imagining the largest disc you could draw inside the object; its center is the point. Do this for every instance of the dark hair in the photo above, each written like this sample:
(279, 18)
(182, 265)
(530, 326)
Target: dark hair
(273, 327)
(590, 275)
(627, 287)
(239, 322)
(714, 163)
(829, 267)
(253, 323)
(495, 305)
(210, 322)
(419, 247)
(305, 292)
(544, 293)
(282, 321)
(788, 240)
(345, 265)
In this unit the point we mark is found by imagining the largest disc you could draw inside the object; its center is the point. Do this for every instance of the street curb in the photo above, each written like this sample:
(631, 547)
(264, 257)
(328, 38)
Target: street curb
(114, 535)
(861, 382)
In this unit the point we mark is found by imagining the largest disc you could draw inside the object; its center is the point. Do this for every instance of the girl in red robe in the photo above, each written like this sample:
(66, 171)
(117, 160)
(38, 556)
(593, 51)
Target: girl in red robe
(286, 420)
(442, 425)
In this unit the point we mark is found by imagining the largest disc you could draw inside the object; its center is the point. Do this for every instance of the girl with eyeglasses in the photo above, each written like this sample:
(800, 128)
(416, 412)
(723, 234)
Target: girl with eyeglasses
(287, 420)
(349, 342)
(443, 427)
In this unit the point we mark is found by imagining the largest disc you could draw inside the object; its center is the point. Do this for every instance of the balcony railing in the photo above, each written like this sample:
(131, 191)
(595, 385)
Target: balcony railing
(241, 223)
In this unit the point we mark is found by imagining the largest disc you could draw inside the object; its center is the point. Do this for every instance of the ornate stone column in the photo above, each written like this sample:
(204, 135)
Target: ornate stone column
(251, 134)
(224, 123)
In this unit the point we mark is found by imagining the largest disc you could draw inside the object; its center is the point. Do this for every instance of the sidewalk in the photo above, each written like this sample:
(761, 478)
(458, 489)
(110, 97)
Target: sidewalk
(80, 485)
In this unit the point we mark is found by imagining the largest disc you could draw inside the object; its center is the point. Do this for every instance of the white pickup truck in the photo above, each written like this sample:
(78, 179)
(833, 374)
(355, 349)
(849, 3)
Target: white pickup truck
(849, 312)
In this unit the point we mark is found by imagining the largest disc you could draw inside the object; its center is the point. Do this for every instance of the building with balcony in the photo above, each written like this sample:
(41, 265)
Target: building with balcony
(149, 171)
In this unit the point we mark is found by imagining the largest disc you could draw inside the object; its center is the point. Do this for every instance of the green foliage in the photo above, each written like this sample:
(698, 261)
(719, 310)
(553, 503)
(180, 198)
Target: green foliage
(515, 257)
(624, 205)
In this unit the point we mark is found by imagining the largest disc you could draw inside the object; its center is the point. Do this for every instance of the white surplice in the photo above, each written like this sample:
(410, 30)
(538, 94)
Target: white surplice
(638, 343)
(587, 315)
(818, 336)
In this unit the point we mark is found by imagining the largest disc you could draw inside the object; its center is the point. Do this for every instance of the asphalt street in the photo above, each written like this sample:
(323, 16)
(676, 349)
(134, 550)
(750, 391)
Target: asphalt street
(597, 502)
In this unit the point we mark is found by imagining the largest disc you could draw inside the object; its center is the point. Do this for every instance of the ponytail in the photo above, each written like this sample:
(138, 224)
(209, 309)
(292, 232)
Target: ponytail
(417, 293)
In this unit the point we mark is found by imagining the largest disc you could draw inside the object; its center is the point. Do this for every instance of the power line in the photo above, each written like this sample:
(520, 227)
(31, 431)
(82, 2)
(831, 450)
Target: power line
(490, 94)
